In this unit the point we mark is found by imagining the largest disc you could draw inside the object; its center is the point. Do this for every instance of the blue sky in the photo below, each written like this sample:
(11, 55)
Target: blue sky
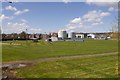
(41, 17)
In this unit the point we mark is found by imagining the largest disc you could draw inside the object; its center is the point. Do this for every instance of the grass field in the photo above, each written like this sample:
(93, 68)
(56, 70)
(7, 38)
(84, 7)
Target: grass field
(84, 67)
(29, 50)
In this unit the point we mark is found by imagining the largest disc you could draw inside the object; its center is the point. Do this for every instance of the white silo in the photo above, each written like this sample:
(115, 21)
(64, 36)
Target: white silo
(71, 35)
(62, 34)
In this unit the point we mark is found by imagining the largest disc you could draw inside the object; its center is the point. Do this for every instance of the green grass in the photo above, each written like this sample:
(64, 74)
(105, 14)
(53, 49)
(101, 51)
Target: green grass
(29, 50)
(84, 67)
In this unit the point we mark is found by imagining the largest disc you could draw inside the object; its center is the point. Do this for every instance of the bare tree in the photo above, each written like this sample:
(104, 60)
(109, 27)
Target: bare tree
(115, 29)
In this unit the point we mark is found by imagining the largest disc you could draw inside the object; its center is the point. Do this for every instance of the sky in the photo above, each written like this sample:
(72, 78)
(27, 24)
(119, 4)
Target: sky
(46, 17)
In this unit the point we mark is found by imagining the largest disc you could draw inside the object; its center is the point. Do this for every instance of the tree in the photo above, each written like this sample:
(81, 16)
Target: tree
(15, 36)
(23, 35)
(115, 30)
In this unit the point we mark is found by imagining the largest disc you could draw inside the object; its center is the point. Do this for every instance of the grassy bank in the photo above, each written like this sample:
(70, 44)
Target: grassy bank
(22, 50)
(85, 67)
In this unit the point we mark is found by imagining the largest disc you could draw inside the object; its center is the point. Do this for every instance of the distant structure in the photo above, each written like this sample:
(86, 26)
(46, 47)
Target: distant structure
(71, 35)
(54, 39)
(53, 34)
(45, 36)
(91, 36)
(79, 35)
(62, 34)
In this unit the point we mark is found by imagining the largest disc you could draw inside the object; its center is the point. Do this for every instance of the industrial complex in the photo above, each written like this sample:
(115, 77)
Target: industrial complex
(55, 36)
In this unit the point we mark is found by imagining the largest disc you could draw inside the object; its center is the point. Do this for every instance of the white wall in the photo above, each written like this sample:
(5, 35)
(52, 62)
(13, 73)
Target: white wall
(91, 35)
(79, 36)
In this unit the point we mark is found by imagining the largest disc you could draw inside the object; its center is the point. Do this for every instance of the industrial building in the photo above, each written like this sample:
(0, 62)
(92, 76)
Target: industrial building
(91, 36)
(79, 35)
(55, 36)
(71, 35)
(62, 34)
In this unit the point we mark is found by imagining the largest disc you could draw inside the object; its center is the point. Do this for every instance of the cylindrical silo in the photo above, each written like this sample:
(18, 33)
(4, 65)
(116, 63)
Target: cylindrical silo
(71, 35)
(62, 34)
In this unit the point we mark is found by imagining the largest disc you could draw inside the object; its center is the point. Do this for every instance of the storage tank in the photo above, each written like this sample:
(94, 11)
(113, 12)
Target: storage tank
(71, 35)
(62, 34)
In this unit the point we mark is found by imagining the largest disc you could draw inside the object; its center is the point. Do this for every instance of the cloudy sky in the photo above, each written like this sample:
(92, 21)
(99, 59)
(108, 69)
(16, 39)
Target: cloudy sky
(41, 17)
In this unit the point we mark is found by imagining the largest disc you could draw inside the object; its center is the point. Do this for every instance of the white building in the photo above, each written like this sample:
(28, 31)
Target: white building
(71, 35)
(79, 35)
(62, 34)
(91, 36)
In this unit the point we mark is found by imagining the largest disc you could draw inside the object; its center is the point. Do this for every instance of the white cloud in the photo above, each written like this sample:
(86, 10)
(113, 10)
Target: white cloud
(66, 1)
(11, 8)
(8, 23)
(23, 20)
(74, 24)
(111, 4)
(26, 10)
(111, 9)
(21, 11)
(95, 16)
(76, 20)
(73, 27)
(88, 20)
(19, 27)
(17, 12)
(15, 27)
(3, 17)
(97, 23)
(103, 14)
(91, 16)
